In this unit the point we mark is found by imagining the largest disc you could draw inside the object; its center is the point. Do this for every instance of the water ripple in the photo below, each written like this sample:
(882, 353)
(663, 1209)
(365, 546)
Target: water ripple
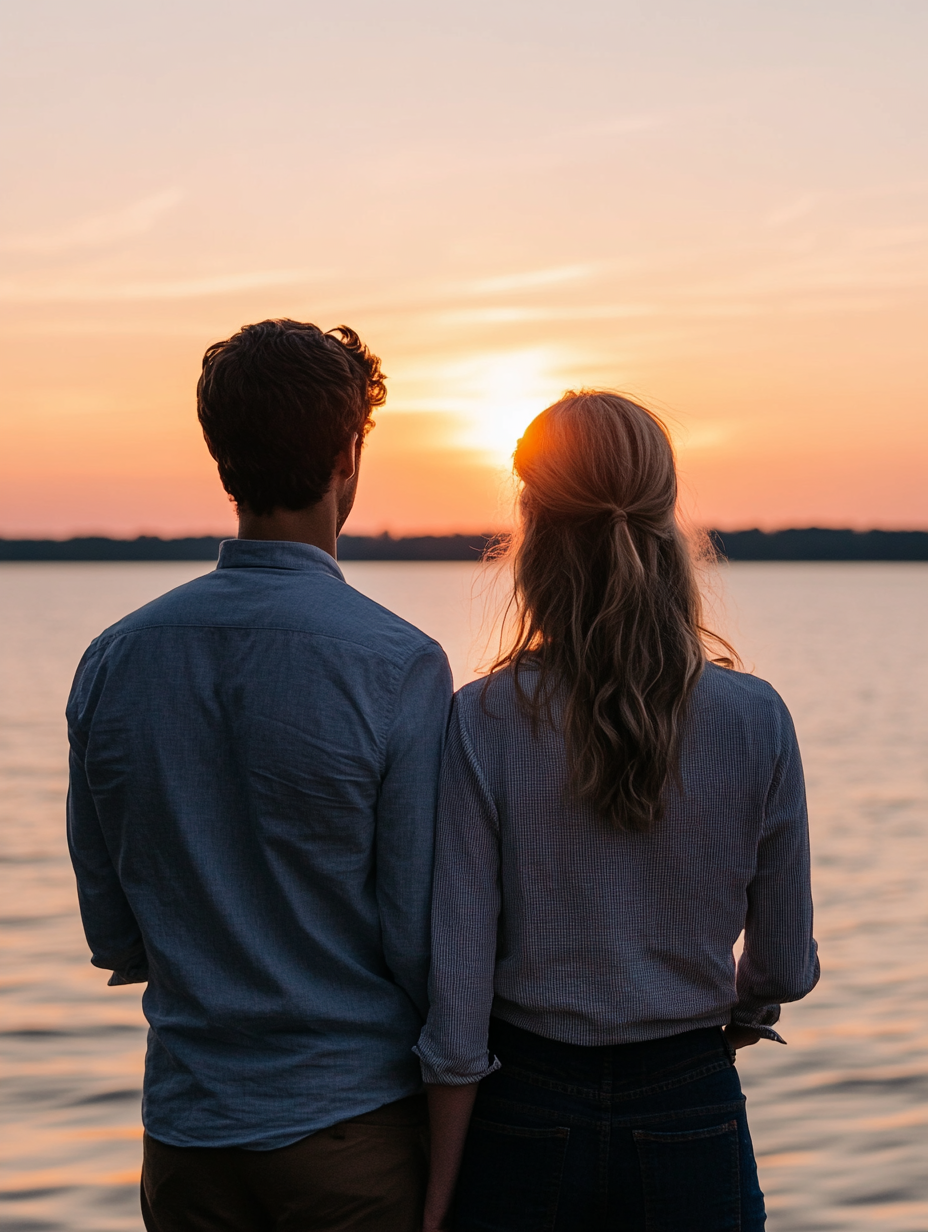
(838, 1117)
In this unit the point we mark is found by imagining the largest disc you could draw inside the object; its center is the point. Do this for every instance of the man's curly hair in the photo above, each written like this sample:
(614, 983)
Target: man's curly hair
(278, 401)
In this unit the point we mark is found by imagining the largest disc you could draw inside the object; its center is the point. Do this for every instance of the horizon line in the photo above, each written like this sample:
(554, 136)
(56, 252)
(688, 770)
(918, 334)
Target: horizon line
(390, 536)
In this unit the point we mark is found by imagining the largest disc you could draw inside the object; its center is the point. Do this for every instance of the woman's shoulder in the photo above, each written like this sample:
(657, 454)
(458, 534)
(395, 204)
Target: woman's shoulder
(738, 684)
(492, 708)
(490, 718)
(739, 693)
(491, 694)
(500, 685)
(495, 703)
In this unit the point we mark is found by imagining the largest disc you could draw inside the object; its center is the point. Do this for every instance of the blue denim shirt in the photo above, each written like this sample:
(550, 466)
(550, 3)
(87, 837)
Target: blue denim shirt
(254, 766)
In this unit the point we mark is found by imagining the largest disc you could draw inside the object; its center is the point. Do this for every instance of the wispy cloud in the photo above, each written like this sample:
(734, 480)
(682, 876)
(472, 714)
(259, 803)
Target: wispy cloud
(531, 280)
(186, 288)
(619, 126)
(793, 211)
(696, 437)
(513, 314)
(628, 124)
(888, 237)
(97, 230)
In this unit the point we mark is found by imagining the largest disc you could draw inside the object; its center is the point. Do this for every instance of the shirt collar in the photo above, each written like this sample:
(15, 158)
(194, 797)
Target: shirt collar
(275, 554)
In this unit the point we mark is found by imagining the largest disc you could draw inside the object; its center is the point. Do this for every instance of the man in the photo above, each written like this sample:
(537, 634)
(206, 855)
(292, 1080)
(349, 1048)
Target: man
(254, 760)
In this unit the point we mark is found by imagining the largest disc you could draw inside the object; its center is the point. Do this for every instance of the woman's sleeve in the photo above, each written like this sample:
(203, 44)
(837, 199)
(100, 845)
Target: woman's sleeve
(452, 1048)
(780, 958)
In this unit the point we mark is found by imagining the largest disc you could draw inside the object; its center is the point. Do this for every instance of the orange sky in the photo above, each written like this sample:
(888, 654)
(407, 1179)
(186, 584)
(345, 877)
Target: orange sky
(718, 208)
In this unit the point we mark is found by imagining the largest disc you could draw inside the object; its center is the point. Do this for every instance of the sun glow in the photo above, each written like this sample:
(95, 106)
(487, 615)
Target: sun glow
(495, 395)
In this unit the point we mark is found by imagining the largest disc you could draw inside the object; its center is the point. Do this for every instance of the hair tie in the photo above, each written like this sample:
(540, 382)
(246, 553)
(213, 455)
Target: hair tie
(619, 515)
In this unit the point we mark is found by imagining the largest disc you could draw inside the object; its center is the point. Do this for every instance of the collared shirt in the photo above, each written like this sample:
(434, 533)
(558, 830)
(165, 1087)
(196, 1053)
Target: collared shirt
(254, 769)
(561, 924)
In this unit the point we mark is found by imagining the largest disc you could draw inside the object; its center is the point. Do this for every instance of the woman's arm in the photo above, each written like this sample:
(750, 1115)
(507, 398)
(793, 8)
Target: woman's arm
(779, 961)
(466, 900)
(449, 1117)
(452, 1048)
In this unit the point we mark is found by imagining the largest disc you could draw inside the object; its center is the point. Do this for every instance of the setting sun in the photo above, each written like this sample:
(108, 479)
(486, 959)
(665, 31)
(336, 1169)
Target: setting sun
(490, 397)
(692, 230)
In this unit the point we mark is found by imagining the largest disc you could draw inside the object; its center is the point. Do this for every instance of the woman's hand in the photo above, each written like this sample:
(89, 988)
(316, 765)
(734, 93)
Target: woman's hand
(431, 1222)
(449, 1117)
(740, 1037)
(437, 1205)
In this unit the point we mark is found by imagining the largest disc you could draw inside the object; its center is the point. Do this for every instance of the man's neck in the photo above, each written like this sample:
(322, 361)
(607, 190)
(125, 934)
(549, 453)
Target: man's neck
(315, 525)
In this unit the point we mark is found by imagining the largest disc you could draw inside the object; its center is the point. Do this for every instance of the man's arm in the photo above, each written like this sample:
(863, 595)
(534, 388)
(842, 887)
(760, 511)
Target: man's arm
(110, 927)
(406, 819)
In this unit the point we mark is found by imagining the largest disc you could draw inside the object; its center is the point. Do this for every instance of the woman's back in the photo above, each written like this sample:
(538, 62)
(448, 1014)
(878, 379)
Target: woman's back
(610, 936)
(614, 811)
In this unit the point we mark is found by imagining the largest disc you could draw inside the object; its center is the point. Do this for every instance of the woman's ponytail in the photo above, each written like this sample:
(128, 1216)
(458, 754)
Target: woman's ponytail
(607, 602)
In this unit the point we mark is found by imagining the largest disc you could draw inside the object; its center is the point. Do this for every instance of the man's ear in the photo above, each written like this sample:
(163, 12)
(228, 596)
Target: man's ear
(347, 461)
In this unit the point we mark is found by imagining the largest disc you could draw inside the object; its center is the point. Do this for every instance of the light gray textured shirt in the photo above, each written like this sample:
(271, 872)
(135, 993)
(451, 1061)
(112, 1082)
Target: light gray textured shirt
(546, 916)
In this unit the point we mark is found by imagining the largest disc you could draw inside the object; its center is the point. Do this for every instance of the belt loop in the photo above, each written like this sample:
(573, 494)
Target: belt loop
(732, 1056)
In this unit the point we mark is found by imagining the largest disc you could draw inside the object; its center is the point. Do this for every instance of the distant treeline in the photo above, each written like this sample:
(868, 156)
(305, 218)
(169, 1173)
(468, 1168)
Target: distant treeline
(810, 544)
(815, 543)
(206, 547)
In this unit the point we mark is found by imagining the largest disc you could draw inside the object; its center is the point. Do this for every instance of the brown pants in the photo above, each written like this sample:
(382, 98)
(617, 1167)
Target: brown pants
(367, 1174)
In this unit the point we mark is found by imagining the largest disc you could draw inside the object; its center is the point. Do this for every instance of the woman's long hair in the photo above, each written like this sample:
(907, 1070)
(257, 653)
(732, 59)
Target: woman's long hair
(606, 600)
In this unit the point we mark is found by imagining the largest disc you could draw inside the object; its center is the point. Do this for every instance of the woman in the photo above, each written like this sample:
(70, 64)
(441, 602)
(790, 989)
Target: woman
(615, 810)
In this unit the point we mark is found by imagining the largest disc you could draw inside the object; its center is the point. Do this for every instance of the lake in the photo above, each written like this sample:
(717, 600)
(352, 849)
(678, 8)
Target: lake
(840, 1116)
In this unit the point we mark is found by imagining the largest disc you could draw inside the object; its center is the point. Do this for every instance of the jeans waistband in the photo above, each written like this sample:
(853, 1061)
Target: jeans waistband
(608, 1065)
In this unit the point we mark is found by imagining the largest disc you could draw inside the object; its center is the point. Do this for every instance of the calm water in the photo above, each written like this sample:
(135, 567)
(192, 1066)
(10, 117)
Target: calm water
(840, 1117)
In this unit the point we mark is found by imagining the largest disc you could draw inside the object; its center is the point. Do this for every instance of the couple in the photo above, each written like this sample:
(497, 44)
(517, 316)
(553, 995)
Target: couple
(421, 963)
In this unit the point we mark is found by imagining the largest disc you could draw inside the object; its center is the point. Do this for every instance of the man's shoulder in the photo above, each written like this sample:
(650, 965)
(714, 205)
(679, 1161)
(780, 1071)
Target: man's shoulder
(308, 604)
(174, 607)
(372, 626)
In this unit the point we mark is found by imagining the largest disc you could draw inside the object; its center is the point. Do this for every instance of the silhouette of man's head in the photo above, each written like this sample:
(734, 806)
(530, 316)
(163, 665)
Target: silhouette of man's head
(278, 402)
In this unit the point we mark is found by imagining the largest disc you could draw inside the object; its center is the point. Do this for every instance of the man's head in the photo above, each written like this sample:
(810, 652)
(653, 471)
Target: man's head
(278, 403)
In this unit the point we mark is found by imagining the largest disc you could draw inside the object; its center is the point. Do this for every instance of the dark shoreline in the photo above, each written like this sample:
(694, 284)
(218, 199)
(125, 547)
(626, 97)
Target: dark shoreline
(809, 544)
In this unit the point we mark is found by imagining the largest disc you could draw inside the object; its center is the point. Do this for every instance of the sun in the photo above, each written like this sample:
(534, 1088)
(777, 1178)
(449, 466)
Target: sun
(495, 395)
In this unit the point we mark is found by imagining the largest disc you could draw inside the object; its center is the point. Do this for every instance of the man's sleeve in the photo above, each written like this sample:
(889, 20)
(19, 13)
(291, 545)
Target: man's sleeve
(110, 927)
(406, 819)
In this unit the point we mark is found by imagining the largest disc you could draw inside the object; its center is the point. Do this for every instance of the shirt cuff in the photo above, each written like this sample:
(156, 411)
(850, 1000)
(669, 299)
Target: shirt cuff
(138, 976)
(441, 1073)
(126, 969)
(759, 1018)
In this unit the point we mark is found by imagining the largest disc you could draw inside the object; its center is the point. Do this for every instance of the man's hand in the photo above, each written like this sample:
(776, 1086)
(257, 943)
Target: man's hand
(740, 1037)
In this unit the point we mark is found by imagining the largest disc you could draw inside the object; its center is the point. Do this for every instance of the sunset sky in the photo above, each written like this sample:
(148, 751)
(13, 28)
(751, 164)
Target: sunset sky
(716, 207)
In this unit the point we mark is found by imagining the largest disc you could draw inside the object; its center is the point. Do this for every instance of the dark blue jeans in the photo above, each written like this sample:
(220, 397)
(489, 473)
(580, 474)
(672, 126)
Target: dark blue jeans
(648, 1137)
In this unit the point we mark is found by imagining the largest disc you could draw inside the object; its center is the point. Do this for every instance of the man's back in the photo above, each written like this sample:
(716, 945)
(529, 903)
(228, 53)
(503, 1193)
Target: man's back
(254, 763)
